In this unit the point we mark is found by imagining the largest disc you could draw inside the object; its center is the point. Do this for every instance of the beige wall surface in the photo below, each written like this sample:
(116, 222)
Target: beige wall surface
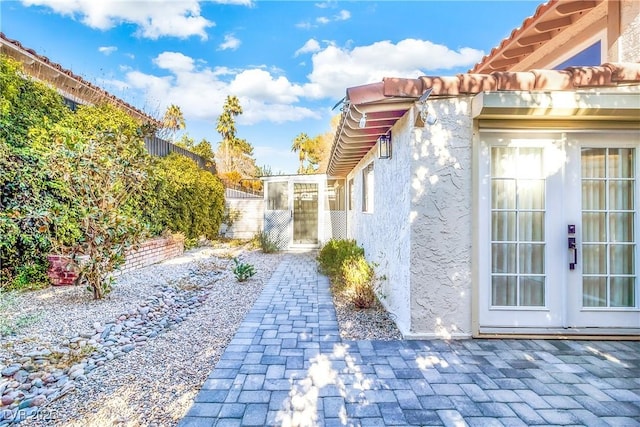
(385, 232)
(441, 222)
(250, 221)
(629, 42)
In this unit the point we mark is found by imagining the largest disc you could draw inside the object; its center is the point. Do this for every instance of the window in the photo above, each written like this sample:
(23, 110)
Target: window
(350, 202)
(588, 56)
(367, 188)
(335, 195)
(278, 196)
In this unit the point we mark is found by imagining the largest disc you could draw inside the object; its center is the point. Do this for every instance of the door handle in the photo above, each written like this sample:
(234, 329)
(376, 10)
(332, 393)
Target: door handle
(573, 247)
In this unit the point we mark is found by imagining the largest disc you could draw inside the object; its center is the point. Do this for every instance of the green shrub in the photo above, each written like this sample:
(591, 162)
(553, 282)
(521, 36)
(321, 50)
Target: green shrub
(190, 200)
(334, 253)
(102, 174)
(242, 270)
(359, 280)
(266, 242)
(27, 194)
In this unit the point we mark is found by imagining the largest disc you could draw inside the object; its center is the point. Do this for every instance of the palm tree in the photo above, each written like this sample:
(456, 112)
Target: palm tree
(173, 120)
(300, 145)
(226, 126)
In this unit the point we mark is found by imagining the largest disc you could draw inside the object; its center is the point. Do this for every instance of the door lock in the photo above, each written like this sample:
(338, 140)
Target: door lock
(573, 247)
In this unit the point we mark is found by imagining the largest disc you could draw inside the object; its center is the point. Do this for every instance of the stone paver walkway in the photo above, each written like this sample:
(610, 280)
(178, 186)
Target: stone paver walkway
(287, 366)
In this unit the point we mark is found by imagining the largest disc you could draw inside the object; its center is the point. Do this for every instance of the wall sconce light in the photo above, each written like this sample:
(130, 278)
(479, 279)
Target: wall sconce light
(363, 121)
(384, 146)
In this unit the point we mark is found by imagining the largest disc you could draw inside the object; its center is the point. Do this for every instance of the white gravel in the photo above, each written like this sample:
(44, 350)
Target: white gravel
(154, 385)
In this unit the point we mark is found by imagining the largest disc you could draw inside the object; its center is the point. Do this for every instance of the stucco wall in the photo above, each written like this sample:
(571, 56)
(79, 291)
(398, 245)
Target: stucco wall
(250, 220)
(629, 46)
(441, 226)
(384, 234)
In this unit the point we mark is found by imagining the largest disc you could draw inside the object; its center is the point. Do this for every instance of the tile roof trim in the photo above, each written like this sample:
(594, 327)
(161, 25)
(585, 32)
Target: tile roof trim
(571, 78)
(57, 67)
(398, 95)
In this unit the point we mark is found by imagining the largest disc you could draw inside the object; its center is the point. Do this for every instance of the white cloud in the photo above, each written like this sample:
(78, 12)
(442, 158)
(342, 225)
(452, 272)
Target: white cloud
(344, 15)
(200, 91)
(154, 18)
(310, 46)
(304, 25)
(174, 61)
(230, 42)
(335, 68)
(107, 50)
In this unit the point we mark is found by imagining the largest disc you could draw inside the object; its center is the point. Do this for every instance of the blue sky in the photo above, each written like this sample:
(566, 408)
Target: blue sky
(289, 62)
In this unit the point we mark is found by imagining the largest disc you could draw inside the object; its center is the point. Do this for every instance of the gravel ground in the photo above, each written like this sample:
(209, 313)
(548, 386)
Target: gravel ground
(154, 385)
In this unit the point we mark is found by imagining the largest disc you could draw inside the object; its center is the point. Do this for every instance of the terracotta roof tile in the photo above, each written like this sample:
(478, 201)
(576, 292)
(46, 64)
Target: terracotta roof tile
(548, 21)
(515, 80)
(624, 72)
(474, 83)
(444, 85)
(591, 76)
(393, 97)
(553, 80)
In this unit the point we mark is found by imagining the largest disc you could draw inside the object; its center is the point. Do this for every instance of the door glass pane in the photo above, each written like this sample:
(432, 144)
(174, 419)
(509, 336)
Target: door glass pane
(503, 194)
(503, 226)
(531, 259)
(531, 226)
(621, 225)
(594, 259)
(594, 196)
(622, 292)
(305, 213)
(608, 222)
(529, 163)
(594, 227)
(503, 257)
(593, 164)
(278, 196)
(620, 162)
(622, 259)
(594, 292)
(531, 194)
(502, 161)
(620, 195)
(504, 290)
(532, 291)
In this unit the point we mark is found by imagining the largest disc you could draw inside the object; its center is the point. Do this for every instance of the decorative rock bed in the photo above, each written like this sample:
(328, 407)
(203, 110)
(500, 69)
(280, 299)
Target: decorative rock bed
(42, 376)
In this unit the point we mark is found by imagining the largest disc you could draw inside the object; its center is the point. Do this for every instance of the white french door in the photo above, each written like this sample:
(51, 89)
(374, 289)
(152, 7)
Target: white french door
(560, 242)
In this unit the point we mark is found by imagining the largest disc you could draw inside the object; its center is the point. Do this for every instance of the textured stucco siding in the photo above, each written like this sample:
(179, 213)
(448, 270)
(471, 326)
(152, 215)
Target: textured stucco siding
(441, 222)
(630, 31)
(384, 234)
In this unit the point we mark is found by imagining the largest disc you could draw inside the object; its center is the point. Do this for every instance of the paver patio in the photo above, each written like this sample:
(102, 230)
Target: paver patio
(287, 366)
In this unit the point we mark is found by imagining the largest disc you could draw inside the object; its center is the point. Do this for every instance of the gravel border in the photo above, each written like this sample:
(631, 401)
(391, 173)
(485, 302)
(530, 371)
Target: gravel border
(155, 383)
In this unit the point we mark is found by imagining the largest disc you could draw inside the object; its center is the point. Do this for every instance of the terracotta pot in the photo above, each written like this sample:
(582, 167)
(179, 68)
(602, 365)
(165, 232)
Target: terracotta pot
(63, 270)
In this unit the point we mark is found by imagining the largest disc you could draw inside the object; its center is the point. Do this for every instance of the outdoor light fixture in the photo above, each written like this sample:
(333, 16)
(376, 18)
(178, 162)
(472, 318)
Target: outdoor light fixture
(427, 117)
(363, 121)
(424, 116)
(384, 146)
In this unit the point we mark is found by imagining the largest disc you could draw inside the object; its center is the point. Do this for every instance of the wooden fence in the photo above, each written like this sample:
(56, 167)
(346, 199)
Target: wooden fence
(161, 148)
